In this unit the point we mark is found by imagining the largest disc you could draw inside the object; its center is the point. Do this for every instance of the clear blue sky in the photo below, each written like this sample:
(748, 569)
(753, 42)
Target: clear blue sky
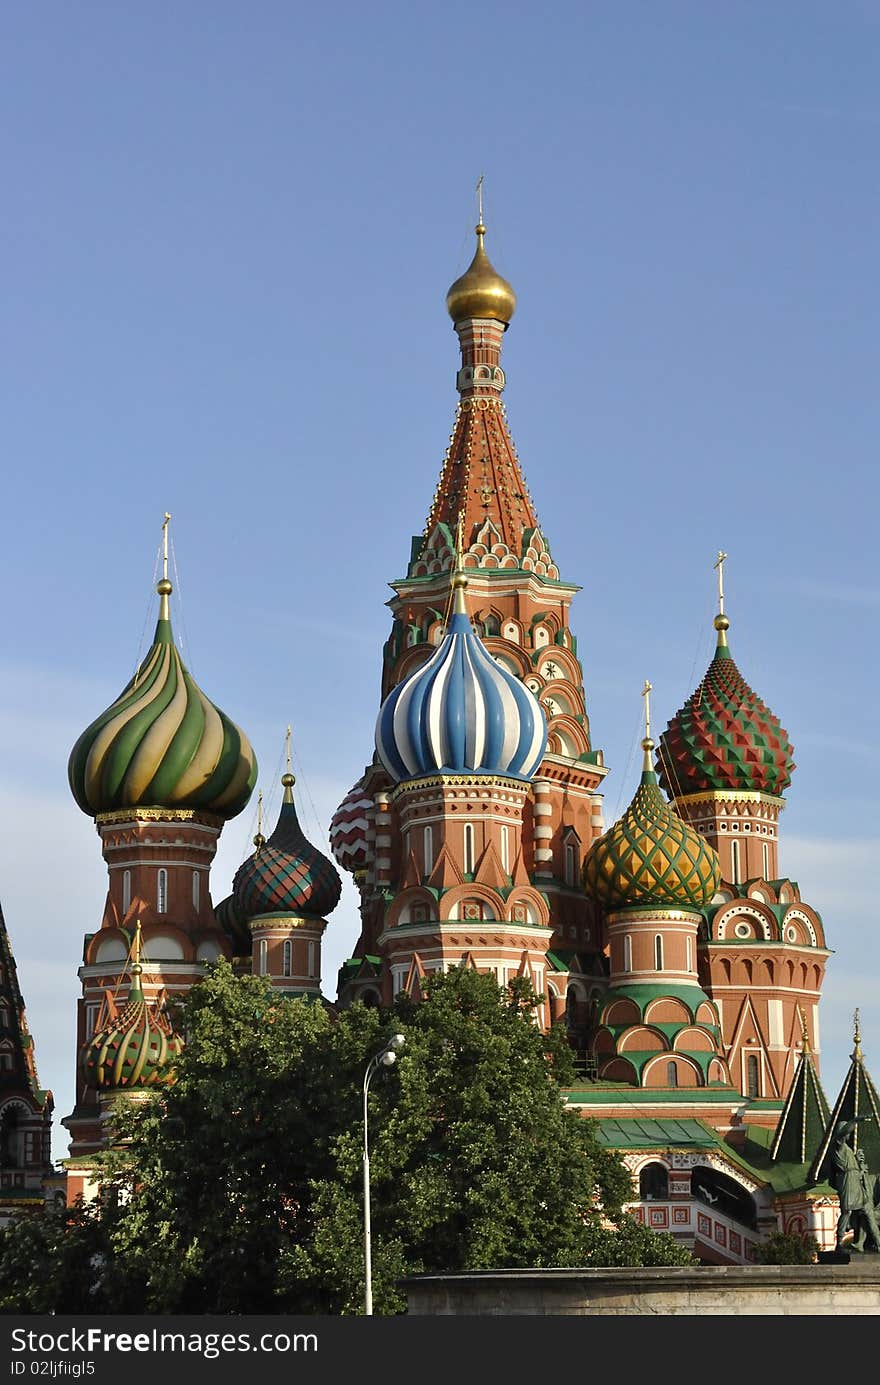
(227, 234)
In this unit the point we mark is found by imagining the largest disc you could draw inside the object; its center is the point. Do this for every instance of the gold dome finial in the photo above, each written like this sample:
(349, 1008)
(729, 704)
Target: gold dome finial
(721, 623)
(163, 586)
(805, 1033)
(288, 780)
(647, 743)
(481, 291)
(857, 1037)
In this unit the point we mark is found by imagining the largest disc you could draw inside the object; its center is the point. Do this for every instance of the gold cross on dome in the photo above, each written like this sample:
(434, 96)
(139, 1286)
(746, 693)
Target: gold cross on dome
(719, 565)
(646, 694)
(480, 198)
(287, 739)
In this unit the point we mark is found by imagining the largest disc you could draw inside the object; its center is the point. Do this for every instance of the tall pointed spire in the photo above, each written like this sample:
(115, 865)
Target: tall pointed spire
(481, 482)
(806, 1113)
(857, 1101)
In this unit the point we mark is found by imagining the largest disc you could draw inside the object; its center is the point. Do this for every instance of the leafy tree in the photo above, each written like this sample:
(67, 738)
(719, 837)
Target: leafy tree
(51, 1263)
(788, 1248)
(239, 1188)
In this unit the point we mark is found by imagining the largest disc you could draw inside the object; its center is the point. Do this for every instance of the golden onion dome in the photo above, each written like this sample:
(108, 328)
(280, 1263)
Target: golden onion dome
(481, 291)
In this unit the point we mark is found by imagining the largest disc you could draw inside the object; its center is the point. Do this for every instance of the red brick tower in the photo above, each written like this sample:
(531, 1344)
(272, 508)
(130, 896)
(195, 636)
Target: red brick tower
(160, 771)
(26, 1171)
(519, 606)
(725, 760)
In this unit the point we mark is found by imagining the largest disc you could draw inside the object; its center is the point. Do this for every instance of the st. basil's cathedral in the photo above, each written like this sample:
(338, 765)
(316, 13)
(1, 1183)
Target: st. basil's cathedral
(683, 963)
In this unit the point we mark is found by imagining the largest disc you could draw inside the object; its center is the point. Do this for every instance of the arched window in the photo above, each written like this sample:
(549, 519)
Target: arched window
(658, 952)
(287, 962)
(429, 850)
(570, 863)
(505, 849)
(126, 891)
(671, 1075)
(734, 862)
(765, 859)
(627, 953)
(753, 1082)
(162, 892)
(690, 952)
(312, 957)
(654, 1183)
(196, 884)
(263, 956)
(468, 848)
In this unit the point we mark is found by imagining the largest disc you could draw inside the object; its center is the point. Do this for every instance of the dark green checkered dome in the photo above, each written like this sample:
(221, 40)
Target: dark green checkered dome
(651, 858)
(286, 874)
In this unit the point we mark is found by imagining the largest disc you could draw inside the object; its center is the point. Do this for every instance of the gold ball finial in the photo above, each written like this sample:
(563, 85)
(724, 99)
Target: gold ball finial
(721, 623)
(647, 744)
(164, 587)
(288, 780)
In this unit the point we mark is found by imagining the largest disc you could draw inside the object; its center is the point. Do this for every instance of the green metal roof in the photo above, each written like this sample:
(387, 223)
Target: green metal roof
(655, 1134)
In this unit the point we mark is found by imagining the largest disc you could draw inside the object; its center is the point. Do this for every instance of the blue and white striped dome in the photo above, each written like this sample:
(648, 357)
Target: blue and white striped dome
(461, 713)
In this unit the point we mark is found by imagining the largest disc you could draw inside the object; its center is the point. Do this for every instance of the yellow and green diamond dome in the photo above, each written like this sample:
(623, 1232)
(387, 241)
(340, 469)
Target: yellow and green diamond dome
(650, 857)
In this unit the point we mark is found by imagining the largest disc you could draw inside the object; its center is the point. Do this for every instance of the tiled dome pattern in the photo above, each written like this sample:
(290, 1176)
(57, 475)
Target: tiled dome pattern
(651, 858)
(724, 738)
(286, 874)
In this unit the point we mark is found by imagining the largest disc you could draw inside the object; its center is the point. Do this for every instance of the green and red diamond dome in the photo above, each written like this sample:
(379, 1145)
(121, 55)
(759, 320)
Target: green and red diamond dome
(724, 738)
(286, 874)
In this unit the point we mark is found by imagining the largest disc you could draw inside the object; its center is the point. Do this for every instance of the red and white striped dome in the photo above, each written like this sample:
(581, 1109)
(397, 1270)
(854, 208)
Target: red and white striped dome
(348, 829)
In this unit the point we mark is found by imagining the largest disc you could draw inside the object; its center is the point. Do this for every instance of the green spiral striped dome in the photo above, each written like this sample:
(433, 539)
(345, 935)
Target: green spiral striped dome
(136, 1049)
(162, 743)
(651, 857)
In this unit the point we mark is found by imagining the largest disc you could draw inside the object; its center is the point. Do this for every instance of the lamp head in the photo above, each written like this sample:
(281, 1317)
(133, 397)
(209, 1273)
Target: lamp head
(388, 1058)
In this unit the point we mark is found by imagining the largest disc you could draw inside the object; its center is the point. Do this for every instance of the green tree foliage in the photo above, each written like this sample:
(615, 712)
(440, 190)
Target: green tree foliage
(52, 1263)
(239, 1188)
(788, 1248)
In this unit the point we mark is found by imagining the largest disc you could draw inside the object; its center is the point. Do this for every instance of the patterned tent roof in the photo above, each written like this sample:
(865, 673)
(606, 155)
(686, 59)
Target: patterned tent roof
(286, 874)
(651, 857)
(724, 737)
(162, 743)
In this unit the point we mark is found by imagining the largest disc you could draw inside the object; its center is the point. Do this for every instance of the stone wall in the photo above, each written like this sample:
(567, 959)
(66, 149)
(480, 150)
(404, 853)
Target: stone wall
(734, 1290)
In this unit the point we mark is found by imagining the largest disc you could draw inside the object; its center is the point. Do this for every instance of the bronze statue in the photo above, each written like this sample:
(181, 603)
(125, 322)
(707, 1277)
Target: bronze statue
(855, 1187)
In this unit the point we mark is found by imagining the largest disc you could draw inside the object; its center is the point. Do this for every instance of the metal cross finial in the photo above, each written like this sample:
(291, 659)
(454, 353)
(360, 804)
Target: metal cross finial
(805, 1034)
(719, 564)
(288, 749)
(857, 1035)
(480, 197)
(459, 541)
(165, 545)
(260, 813)
(136, 946)
(646, 694)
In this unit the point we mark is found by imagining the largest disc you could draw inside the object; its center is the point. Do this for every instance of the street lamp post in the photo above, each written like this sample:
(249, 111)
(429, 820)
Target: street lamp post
(386, 1058)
